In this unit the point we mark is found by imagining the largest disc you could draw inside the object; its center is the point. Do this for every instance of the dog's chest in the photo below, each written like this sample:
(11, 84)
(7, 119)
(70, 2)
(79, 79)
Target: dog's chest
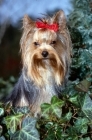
(48, 80)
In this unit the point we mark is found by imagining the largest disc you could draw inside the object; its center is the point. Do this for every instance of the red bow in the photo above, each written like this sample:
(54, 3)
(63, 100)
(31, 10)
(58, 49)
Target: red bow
(47, 26)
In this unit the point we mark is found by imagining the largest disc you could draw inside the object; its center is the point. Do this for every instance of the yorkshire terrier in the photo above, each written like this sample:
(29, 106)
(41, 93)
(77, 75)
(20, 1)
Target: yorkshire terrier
(46, 56)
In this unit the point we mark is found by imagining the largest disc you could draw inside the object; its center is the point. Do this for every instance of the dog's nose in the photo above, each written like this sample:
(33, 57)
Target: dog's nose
(45, 53)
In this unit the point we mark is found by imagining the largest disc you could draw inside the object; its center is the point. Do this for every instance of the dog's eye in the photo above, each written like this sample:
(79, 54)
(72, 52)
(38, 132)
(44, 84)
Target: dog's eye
(53, 42)
(36, 44)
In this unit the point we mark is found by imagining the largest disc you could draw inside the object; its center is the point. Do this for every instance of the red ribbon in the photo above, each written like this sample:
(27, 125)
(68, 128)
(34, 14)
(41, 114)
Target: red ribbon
(53, 26)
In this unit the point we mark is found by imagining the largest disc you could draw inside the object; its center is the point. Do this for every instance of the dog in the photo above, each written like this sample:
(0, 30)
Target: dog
(46, 56)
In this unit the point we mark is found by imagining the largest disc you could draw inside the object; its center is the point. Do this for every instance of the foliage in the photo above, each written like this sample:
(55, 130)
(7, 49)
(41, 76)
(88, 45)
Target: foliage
(67, 118)
(6, 86)
(80, 22)
(73, 124)
(17, 124)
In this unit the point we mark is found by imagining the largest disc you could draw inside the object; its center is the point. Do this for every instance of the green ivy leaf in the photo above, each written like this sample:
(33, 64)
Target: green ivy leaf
(67, 116)
(87, 106)
(53, 108)
(28, 130)
(72, 138)
(2, 138)
(74, 99)
(81, 125)
(72, 134)
(87, 138)
(50, 136)
(83, 86)
(57, 102)
(1, 111)
(23, 110)
(13, 121)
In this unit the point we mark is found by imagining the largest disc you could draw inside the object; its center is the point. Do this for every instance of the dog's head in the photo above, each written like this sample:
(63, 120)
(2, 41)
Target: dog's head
(46, 46)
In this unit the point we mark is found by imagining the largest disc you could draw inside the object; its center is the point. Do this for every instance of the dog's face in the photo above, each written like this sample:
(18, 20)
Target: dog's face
(45, 50)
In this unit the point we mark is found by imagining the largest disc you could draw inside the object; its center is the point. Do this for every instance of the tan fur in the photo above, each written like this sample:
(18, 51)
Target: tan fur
(52, 69)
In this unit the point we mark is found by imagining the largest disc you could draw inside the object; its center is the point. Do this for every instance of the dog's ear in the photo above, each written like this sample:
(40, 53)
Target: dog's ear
(27, 22)
(60, 19)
